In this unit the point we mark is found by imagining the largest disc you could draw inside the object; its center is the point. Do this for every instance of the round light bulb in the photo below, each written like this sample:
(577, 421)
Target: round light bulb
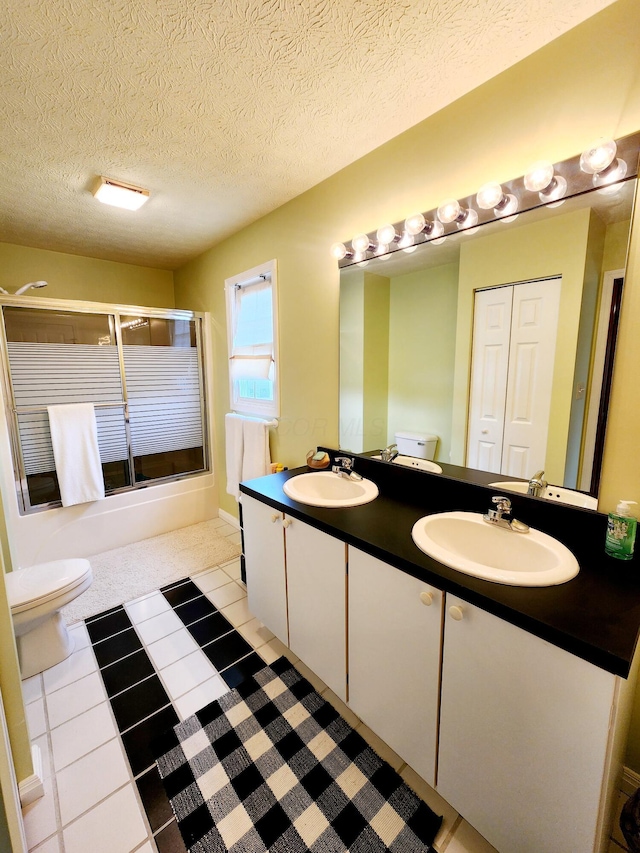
(360, 243)
(381, 249)
(539, 175)
(435, 229)
(470, 219)
(386, 234)
(489, 195)
(414, 224)
(598, 156)
(507, 207)
(360, 258)
(610, 176)
(557, 190)
(449, 210)
(338, 251)
(406, 241)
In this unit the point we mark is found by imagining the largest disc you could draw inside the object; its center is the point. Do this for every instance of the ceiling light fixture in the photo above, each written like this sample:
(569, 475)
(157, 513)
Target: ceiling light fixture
(120, 194)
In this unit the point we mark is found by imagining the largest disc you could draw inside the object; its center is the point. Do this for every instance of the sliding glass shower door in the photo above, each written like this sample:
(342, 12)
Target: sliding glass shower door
(142, 371)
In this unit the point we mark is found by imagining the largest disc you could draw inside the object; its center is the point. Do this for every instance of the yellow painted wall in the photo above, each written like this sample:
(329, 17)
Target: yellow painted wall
(352, 362)
(422, 334)
(88, 279)
(550, 247)
(376, 360)
(551, 105)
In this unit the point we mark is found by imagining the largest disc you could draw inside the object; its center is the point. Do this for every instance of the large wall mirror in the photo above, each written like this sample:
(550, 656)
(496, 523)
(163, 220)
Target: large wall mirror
(417, 352)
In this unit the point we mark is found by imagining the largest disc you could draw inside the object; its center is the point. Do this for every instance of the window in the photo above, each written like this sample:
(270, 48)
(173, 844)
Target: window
(142, 372)
(252, 323)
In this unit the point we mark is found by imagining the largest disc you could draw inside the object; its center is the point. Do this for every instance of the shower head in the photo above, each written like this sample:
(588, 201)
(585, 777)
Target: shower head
(32, 284)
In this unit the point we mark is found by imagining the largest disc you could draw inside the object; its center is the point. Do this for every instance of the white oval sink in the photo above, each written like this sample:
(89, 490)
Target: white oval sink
(551, 493)
(324, 488)
(463, 541)
(414, 462)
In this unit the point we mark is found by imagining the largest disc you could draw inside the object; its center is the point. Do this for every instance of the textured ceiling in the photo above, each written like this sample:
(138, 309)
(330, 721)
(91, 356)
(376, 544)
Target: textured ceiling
(225, 109)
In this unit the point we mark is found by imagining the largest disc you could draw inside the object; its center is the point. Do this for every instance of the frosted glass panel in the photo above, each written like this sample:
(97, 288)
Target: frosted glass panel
(163, 386)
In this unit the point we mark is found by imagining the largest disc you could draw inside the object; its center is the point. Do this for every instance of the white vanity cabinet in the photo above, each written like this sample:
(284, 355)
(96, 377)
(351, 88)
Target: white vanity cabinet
(525, 739)
(296, 586)
(522, 738)
(264, 561)
(395, 635)
(316, 581)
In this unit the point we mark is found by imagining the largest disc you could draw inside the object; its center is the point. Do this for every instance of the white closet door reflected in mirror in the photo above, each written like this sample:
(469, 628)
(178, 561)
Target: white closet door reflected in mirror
(512, 368)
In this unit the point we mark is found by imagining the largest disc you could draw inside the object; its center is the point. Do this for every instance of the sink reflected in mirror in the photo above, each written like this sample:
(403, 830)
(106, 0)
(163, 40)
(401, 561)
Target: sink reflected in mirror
(465, 542)
(327, 489)
(414, 462)
(551, 493)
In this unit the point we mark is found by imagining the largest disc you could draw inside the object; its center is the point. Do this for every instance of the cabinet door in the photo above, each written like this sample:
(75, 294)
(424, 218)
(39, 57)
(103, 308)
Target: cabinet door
(316, 578)
(264, 557)
(523, 735)
(394, 658)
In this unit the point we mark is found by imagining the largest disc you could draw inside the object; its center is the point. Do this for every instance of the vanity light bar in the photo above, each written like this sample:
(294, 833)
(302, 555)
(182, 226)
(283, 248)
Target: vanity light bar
(602, 166)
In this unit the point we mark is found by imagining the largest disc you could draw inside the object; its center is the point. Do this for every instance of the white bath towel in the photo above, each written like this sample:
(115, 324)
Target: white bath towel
(234, 445)
(256, 459)
(74, 436)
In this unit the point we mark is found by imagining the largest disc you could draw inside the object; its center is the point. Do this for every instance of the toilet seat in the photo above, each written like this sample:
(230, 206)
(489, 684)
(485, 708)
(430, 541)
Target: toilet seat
(36, 585)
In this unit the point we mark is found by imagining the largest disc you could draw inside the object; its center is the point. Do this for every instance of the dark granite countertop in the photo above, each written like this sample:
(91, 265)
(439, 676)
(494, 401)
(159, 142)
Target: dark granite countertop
(595, 616)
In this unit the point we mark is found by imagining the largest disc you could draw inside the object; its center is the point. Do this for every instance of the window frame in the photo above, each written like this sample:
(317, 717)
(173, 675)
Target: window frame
(249, 405)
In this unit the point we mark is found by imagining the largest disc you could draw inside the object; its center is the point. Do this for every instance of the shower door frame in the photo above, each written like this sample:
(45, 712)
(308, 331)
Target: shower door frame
(113, 311)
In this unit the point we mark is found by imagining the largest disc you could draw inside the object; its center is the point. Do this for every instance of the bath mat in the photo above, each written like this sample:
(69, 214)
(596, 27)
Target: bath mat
(123, 574)
(273, 767)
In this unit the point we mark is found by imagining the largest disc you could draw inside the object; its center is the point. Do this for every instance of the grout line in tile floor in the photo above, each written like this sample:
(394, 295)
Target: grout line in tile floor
(142, 719)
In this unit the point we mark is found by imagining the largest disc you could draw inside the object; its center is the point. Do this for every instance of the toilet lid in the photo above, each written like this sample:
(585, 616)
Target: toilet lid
(37, 584)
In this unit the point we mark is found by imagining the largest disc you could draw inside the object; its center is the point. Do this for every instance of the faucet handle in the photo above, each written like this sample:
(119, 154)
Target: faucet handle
(503, 504)
(344, 461)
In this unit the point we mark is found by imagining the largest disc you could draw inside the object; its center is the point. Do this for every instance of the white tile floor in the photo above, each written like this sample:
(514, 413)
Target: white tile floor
(91, 802)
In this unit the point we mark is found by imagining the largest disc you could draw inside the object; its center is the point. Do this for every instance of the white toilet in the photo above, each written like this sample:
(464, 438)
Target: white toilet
(422, 445)
(36, 595)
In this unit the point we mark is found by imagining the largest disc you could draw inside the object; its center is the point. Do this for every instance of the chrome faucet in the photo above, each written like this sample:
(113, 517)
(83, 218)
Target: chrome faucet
(537, 484)
(497, 516)
(343, 466)
(389, 453)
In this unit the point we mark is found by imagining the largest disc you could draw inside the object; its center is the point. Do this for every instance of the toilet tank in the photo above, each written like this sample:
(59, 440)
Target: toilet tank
(422, 445)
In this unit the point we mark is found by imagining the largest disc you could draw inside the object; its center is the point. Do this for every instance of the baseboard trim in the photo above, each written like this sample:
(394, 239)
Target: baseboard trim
(230, 519)
(32, 788)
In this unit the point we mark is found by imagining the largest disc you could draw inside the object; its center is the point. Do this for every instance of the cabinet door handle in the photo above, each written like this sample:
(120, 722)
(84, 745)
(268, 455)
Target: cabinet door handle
(286, 522)
(426, 598)
(275, 517)
(456, 612)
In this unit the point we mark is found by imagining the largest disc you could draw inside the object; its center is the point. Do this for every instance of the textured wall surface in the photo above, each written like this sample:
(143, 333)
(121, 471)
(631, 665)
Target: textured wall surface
(225, 109)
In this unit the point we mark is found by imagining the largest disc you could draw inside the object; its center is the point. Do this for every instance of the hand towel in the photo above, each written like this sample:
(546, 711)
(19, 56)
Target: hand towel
(256, 459)
(74, 436)
(233, 446)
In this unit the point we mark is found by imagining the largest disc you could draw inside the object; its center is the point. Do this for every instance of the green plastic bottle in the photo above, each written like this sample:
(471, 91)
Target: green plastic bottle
(621, 532)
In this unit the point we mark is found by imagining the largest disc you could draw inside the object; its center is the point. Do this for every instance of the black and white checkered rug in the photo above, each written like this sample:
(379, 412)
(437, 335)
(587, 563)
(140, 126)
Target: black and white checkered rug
(271, 766)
